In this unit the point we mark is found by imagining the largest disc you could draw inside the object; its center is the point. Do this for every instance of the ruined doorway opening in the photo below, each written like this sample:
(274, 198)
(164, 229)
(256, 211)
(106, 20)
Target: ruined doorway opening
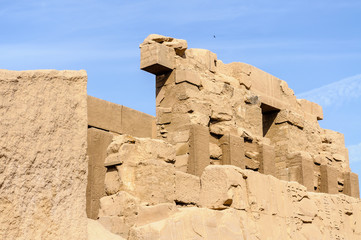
(269, 115)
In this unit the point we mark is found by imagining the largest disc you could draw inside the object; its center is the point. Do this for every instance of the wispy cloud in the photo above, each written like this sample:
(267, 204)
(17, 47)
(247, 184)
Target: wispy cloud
(355, 153)
(335, 93)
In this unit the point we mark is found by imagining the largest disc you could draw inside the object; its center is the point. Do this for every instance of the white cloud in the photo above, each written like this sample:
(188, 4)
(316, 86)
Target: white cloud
(335, 93)
(355, 153)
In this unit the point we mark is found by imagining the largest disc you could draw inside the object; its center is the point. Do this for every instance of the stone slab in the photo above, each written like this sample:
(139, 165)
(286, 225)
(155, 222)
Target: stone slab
(233, 151)
(156, 58)
(136, 123)
(104, 115)
(43, 141)
(268, 160)
(198, 150)
(351, 184)
(98, 142)
(328, 179)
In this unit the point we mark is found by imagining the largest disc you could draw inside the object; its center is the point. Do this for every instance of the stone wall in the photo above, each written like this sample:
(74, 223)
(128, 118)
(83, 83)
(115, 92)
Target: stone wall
(43, 130)
(106, 120)
(148, 198)
(217, 114)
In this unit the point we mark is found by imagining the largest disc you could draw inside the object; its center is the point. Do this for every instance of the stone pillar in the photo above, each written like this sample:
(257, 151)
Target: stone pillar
(328, 179)
(300, 167)
(43, 142)
(268, 160)
(232, 150)
(98, 142)
(351, 184)
(198, 150)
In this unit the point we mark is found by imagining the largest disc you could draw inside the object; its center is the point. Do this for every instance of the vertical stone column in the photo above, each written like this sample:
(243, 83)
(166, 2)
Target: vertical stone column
(98, 142)
(300, 167)
(351, 184)
(328, 179)
(232, 150)
(43, 142)
(198, 150)
(268, 160)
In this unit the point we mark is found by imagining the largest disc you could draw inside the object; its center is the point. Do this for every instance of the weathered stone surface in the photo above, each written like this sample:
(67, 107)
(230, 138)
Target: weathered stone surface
(199, 150)
(351, 184)
(328, 179)
(157, 58)
(104, 115)
(233, 151)
(43, 140)
(187, 188)
(98, 142)
(96, 231)
(130, 150)
(136, 123)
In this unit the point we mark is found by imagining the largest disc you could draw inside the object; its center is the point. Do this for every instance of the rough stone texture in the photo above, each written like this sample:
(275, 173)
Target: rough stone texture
(43, 140)
(119, 119)
(257, 206)
(196, 90)
(187, 188)
(98, 142)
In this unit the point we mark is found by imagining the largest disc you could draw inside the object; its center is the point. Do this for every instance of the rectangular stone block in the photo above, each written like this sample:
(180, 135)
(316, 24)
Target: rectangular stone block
(268, 160)
(43, 129)
(199, 150)
(156, 58)
(98, 142)
(187, 188)
(300, 167)
(136, 123)
(351, 184)
(233, 151)
(187, 76)
(105, 115)
(328, 179)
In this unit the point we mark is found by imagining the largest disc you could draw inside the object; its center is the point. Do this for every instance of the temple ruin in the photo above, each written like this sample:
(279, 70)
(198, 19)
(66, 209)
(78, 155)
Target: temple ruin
(231, 154)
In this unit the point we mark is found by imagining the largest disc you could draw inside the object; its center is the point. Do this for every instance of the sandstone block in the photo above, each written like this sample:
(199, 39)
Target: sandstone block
(187, 188)
(104, 115)
(96, 231)
(351, 184)
(222, 187)
(233, 151)
(300, 165)
(152, 181)
(98, 142)
(156, 58)
(128, 150)
(136, 123)
(43, 141)
(328, 179)
(199, 150)
(149, 214)
(187, 76)
(267, 165)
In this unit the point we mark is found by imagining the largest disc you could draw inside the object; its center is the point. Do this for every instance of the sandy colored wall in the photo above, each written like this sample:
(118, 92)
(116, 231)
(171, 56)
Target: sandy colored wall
(148, 198)
(43, 132)
(242, 115)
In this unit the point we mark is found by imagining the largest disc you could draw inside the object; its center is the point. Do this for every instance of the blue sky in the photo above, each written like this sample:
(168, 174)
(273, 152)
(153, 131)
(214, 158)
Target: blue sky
(313, 45)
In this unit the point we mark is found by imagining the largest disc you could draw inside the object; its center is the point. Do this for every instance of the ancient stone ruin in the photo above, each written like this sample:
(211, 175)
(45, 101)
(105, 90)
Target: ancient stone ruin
(231, 154)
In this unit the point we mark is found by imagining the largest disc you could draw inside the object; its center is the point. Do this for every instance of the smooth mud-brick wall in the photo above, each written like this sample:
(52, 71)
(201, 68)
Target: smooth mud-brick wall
(43, 140)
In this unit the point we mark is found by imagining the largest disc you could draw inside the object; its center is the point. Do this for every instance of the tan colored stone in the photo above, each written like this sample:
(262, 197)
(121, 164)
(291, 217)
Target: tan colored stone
(351, 184)
(328, 179)
(136, 123)
(199, 150)
(233, 151)
(104, 115)
(98, 142)
(156, 58)
(149, 214)
(96, 231)
(187, 188)
(43, 141)
(187, 76)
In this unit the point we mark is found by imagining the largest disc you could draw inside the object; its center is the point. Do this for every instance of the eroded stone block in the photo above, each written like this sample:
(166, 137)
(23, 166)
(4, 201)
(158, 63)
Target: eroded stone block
(198, 150)
(351, 184)
(156, 58)
(233, 151)
(187, 188)
(267, 165)
(328, 179)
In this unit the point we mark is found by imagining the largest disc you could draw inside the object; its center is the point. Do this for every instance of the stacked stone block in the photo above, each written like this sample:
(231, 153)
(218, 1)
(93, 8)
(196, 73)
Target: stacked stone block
(253, 117)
